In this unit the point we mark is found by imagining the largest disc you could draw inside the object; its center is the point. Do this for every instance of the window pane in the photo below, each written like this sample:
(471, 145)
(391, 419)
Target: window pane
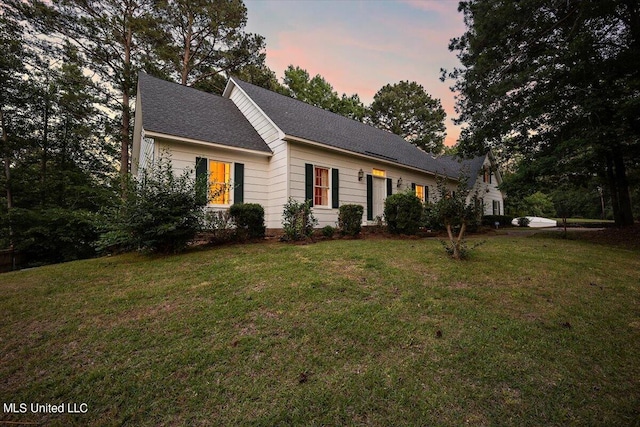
(379, 172)
(321, 187)
(219, 179)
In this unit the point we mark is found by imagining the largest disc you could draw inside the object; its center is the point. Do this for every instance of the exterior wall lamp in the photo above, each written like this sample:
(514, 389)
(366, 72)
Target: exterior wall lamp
(360, 175)
(399, 185)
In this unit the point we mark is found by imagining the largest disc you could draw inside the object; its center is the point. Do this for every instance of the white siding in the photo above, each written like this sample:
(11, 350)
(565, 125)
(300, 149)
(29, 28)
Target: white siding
(488, 192)
(183, 158)
(351, 190)
(138, 131)
(274, 182)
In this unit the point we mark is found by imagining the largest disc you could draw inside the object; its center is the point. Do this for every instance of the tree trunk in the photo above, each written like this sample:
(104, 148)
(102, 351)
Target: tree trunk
(7, 161)
(186, 57)
(622, 185)
(619, 188)
(7, 174)
(611, 181)
(126, 113)
(45, 142)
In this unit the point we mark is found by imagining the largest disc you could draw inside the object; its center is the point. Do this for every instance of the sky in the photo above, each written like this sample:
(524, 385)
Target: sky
(359, 46)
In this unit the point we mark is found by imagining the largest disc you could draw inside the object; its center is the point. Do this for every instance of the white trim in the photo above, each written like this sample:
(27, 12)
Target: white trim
(227, 94)
(208, 144)
(329, 188)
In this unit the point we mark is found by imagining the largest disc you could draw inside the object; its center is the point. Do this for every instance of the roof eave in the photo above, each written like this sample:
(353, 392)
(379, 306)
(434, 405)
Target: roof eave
(154, 134)
(292, 138)
(227, 93)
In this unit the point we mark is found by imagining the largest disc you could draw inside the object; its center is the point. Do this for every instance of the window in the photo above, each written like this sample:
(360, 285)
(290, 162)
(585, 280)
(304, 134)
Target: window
(321, 187)
(487, 176)
(219, 180)
(420, 192)
(379, 172)
(496, 207)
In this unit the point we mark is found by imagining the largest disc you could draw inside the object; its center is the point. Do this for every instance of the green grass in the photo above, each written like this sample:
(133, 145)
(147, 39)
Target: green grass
(530, 331)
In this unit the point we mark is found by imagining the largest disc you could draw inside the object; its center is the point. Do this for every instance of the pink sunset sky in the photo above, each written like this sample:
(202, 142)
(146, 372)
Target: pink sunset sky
(359, 46)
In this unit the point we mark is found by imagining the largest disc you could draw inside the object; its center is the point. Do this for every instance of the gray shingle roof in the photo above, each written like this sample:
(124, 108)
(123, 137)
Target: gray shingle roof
(296, 118)
(178, 110)
(456, 167)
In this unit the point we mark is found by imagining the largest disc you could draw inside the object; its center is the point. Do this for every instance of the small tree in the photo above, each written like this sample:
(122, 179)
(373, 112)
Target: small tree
(452, 210)
(298, 220)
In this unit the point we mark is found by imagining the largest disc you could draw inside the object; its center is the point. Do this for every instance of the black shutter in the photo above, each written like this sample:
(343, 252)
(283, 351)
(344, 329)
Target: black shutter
(426, 193)
(238, 181)
(201, 166)
(369, 198)
(389, 187)
(335, 188)
(308, 182)
(413, 187)
(202, 179)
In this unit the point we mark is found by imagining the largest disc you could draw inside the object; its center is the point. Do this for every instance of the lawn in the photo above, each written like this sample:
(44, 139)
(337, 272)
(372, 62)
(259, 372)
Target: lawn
(530, 331)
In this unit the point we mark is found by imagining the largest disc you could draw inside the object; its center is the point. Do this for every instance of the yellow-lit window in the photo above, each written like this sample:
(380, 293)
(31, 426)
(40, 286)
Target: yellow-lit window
(219, 180)
(321, 187)
(379, 172)
(420, 192)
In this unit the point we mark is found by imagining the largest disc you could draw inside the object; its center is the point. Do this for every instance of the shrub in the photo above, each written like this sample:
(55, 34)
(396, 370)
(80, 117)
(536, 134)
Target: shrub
(403, 212)
(298, 220)
(160, 212)
(328, 231)
(523, 221)
(350, 219)
(220, 225)
(49, 235)
(249, 220)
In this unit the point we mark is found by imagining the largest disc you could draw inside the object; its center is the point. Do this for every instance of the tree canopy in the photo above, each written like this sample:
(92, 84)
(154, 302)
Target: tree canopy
(202, 41)
(318, 92)
(555, 85)
(407, 110)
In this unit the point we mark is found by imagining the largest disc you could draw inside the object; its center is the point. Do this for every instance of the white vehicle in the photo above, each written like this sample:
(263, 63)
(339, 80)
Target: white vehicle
(537, 222)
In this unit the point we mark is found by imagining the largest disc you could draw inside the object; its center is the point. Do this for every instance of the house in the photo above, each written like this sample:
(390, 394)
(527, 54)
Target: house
(270, 147)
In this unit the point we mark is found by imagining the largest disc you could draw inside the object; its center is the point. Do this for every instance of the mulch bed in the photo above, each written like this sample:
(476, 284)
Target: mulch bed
(626, 237)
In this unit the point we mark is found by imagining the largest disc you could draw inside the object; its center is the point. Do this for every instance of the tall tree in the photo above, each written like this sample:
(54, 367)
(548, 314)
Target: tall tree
(556, 82)
(111, 34)
(318, 92)
(204, 41)
(12, 113)
(407, 110)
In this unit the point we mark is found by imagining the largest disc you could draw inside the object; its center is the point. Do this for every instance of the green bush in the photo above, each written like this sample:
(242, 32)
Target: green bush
(403, 212)
(298, 220)
(249, 220)
(350, 219)
(160, 212)
(523, 221)
(328, 231)
(50, 235)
